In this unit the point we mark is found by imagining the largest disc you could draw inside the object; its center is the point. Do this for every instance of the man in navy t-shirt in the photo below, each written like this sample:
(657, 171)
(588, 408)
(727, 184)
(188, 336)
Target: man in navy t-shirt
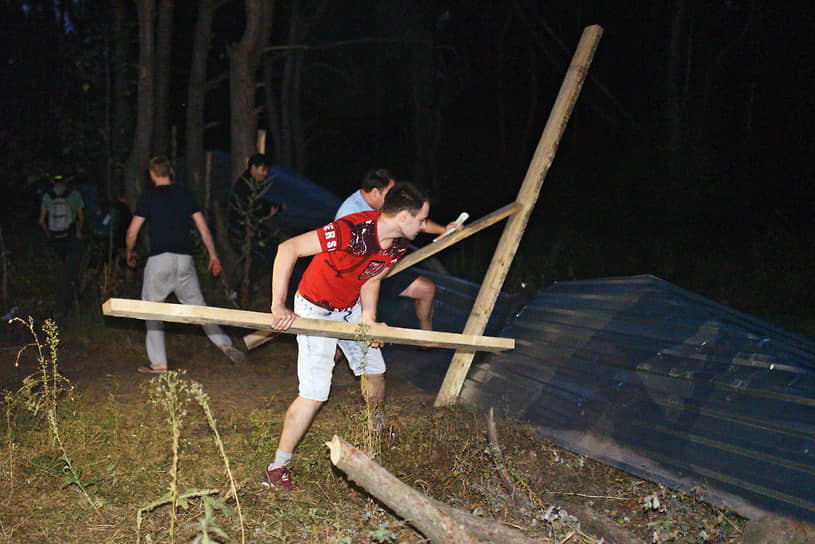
(170, 268)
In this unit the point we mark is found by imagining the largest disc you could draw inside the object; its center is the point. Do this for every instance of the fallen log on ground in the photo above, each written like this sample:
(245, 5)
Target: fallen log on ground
(201, 315)
(437, 521)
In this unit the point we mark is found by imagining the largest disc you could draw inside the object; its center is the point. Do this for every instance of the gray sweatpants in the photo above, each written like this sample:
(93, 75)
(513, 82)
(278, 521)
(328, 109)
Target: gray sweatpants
(173, 273)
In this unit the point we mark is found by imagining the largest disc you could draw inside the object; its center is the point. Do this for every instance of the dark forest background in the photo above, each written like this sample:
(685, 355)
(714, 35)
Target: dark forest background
(688, 155)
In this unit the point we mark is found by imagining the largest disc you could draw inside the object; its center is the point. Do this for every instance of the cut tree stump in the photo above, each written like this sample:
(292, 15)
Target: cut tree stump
(440, 523)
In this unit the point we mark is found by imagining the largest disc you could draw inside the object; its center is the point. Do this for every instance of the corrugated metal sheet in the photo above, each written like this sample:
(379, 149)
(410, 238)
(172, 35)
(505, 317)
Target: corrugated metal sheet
(665, 384)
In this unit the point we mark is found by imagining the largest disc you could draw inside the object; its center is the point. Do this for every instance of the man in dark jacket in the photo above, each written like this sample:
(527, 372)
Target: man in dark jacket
(248, 208)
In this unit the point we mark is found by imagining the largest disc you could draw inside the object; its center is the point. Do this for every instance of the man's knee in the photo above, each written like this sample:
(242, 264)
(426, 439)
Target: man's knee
(421, 288)
(303, 407)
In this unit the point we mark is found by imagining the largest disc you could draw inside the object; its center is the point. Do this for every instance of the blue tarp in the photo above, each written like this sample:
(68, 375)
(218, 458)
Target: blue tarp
(306, 205)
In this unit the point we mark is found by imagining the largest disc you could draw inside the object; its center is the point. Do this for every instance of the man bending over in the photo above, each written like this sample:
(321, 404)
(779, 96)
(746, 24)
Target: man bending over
(408, 283)
(351, 255)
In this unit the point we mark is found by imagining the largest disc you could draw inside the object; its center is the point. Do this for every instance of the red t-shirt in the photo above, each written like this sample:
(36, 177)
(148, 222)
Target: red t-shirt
(351, 256)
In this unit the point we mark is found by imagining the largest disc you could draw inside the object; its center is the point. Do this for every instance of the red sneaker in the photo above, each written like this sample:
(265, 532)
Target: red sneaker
(279, 478)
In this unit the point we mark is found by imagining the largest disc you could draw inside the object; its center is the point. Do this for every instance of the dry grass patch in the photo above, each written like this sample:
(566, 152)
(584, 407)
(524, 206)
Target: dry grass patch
(123, 448)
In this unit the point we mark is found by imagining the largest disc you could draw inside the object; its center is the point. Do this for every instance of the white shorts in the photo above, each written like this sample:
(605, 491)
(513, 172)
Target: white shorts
(315, 354)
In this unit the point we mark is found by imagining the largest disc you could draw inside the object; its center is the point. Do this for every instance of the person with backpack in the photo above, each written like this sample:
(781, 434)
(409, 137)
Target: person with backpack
(61, 218)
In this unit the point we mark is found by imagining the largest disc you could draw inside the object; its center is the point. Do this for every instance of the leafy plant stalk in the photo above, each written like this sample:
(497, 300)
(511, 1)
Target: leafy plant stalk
(50, 381)
(167, 390)
(203, 400)
(370, 443)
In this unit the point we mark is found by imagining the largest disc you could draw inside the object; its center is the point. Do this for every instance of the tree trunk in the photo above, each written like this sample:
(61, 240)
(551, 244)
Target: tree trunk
(140, 153)
(244, 58)
(296, 116)
(673, 115)
(283, 107)
(121, 107)
(161, 126)
(286, 155)
(196, 100)
(273, 112)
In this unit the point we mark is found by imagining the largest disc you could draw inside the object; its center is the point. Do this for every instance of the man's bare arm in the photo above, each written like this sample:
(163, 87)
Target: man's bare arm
(368, 299)
(80, 217)
(131, 237)
(288, 252)
(203, 230)
(431, 227)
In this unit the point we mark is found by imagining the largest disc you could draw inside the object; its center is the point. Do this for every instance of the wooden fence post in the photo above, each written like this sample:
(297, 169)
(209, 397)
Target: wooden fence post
(527, 196)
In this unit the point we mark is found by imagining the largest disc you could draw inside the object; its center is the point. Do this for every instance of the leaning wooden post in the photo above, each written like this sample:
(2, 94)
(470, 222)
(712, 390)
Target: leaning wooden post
(527, 196)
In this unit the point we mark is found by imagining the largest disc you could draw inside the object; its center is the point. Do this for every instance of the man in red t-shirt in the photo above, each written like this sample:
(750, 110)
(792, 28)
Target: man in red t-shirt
(351, 256)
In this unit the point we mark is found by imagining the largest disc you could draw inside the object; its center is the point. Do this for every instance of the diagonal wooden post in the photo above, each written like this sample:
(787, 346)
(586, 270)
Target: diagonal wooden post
(476, 226)
(527, 196)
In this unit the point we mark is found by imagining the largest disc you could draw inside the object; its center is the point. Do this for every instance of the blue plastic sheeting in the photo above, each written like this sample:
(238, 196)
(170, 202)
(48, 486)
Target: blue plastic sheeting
(665, 384)
(306, 205)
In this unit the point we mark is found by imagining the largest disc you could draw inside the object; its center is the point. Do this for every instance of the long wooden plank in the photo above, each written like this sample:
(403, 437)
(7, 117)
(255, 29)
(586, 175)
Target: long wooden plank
(527, 197)
(431, 249)
(201, 315)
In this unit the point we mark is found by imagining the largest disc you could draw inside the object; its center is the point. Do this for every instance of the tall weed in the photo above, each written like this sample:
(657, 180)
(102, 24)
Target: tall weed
(172, 393)
(39, 395)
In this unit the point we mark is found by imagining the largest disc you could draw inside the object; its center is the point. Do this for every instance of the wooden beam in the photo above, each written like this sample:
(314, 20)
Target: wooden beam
(527, 197)
(431, 249)
(258, 338)
(201, 315)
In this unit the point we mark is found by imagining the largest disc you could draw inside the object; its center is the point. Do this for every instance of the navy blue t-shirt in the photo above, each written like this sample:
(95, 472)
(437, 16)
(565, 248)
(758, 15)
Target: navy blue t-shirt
(168, 210)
